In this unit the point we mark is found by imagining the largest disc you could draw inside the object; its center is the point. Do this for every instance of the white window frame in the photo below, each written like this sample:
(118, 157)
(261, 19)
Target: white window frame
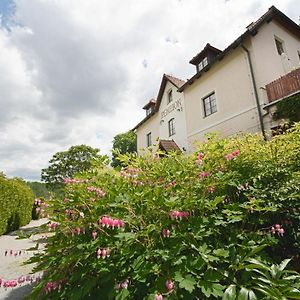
(280, 45)
(209, 103)
(149, 140)
(171, 126)
(203, 63)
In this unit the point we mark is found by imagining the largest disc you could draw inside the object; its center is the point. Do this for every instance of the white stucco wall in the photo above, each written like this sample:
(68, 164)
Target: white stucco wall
(151, 125)
(176, 110)
(267, 63)
(236, 107)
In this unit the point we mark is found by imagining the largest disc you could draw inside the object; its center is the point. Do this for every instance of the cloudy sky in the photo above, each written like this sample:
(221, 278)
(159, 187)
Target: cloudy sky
(78, 71)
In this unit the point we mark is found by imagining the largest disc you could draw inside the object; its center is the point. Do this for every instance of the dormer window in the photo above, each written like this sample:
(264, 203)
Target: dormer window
(150, 107)
(149, 110)
(203, 63)
(170, 96)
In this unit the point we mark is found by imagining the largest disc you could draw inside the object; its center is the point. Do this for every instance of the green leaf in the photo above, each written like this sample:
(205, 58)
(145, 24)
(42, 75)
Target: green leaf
(125, 236)
(178, 277)
(230, 293)
(188, 283)
(243, 294)
(283, 264)
(221, 252)
(123, 294)
(252, 296)
(293, 294)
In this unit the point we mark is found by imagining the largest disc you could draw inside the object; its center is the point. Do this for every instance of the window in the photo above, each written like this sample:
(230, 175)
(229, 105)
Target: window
(203, 63)
(171, 127)
(170, 96)
(279, 45)
(149, 142)
(149, 111)
(210, 104)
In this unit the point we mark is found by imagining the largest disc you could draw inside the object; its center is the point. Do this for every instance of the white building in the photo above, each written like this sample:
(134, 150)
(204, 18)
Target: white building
(164, 124)
(233, 90)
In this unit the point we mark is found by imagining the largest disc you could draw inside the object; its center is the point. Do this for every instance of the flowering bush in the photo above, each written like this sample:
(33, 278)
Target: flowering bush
(219, 223)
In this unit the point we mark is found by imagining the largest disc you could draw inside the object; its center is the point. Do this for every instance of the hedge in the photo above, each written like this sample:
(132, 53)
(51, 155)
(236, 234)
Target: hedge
(16, 202)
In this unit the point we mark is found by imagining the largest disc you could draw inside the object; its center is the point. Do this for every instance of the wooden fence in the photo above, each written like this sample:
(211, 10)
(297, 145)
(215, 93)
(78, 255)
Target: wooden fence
(284, 86)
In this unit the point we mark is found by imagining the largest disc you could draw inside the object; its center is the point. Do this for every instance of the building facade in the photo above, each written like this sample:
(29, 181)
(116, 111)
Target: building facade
(165, 123)
(233, 90)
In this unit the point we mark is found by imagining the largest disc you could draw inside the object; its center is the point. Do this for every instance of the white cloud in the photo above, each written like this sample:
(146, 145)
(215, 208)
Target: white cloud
(77, 71)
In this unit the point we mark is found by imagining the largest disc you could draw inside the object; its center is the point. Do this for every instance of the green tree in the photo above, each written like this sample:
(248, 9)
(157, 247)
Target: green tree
(68, 163)
(123, 143)
(39, 189)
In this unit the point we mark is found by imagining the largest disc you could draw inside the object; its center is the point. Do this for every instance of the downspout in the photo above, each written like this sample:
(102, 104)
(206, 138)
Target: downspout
(260, 117)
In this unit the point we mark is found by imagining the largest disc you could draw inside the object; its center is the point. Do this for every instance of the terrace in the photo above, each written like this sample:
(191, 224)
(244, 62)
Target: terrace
(284, 86)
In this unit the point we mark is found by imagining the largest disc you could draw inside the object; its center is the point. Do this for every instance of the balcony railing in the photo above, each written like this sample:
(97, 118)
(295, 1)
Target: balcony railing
(284, 86)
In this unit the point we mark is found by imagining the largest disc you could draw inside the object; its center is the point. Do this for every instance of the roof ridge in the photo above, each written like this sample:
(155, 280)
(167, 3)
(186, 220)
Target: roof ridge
(175, 80)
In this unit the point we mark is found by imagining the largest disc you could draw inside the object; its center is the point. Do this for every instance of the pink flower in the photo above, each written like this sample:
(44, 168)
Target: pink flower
(158, 297)
(281, 231)
(200, 156)
(211, 189)
(229, 156)
(110, 222)
(273, 231)
(277, 226)
(103, 253)
(178, 214)
(108, 251)
(98, 191)
(52, 225)
(203, 174)
(166, 232)
(0, 281)
(235, 152)
(98, 252)
(94, 234)
(21, 279)
(169, 285)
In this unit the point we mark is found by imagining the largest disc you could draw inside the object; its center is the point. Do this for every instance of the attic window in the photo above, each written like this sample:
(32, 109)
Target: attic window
(149, 110)
(203, 63)
(170, 96)
(279, 45)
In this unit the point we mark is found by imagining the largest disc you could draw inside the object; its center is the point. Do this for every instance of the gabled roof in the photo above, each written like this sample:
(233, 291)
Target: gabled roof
(252, 29)
(175, 81)
(168, 145)
(150, 103)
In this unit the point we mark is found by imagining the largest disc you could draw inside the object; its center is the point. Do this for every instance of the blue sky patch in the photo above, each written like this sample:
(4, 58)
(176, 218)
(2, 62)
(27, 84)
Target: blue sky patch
(7, 10)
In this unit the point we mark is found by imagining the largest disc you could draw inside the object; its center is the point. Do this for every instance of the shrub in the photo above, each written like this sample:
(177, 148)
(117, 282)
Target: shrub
(217, 223)
(16, 201)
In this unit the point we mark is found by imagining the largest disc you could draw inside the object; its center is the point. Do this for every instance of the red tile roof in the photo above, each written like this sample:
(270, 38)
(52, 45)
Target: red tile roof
(176, 81)
(168, 145)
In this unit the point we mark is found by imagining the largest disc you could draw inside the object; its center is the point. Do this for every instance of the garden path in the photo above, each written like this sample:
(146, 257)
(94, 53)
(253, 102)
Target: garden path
(11, 264)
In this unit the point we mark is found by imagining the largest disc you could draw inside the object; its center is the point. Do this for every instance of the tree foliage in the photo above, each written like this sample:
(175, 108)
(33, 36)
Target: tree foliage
(123, 143)
(221, 223)
(66, 164)
(39, 189)
(289, 108)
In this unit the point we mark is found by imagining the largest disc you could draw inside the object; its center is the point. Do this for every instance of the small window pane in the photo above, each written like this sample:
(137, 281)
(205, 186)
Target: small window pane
(149, 142)
(210, 104)
(170, 96)
(279, 46)
(171, 124)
